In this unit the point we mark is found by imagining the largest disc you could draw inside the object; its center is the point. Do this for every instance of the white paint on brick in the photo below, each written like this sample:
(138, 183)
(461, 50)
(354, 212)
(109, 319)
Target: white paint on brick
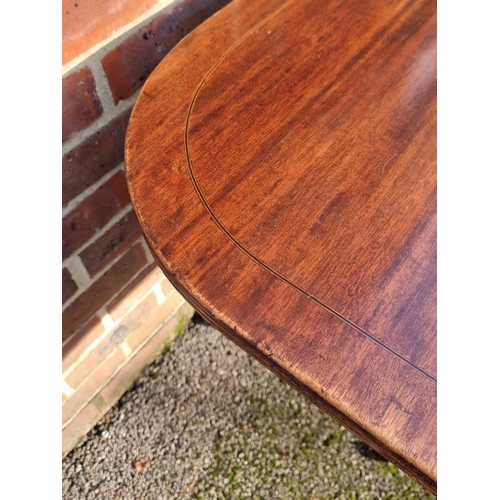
(102, 312)
(107, 321)
(88, 350)
(127, 360)
(139, 297)
(127, 351)
(92, 58)
(78, 271)
(67, 390)
(160, 296)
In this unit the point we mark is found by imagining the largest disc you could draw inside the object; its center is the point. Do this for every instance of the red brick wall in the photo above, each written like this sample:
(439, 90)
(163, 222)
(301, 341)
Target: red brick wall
(109, 49)
(89, 22)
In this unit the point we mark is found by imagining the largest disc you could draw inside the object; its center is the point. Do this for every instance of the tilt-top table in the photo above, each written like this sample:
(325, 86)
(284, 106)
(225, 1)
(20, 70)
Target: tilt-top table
(282, 164)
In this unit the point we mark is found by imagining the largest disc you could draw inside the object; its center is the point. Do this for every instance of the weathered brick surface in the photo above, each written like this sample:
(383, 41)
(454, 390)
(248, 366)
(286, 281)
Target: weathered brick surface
(117, 386)
(80, 103)
(128, 66)
(69, 287)
(100, 354)
(112, 392)
(84, 421)
(94, 157)
(93, 213)
(87, 23)
(144, 311)
(144, 329)
(92, 385)
(137, 288)
(74, 348)
(111, 244)
(103, 289)
(148, 352)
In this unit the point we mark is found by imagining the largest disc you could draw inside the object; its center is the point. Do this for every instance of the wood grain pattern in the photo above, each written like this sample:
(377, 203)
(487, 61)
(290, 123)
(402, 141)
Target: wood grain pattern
(282, 164)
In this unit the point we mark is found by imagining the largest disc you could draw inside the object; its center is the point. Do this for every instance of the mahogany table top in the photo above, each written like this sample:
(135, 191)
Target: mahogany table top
(282, 164)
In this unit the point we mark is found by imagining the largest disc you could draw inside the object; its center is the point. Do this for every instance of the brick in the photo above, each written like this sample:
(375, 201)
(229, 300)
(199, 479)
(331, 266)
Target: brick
(146, 355)
(135, 328)
(85, 24)
(99, 356)
(81, 105)
(118, 385)
(141, 313)
(93, 213)
(100, 404)
(106, 347)
(69, 287)
(92, 386)
(111, 244)
(134, 291)
(89, 161)
(144, 330)
(73, 433)
(129, 64)
(100, 292)
(81, 341)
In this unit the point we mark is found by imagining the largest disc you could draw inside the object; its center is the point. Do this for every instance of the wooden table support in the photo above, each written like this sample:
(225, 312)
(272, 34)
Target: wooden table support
(282, 164)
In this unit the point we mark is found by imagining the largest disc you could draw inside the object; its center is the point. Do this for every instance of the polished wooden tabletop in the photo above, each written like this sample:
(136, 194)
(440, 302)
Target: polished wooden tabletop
(282, 164)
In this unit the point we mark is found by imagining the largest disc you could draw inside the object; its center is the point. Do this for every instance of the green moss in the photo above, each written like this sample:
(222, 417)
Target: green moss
(329, 440)
(308, 439)
(167, 345)
(180, 327)
(99, 402)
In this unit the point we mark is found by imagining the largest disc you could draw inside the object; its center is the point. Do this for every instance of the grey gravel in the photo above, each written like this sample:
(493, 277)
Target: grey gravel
(207, 421)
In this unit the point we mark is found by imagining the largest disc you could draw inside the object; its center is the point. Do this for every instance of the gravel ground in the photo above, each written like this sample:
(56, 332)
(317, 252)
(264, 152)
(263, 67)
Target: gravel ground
(207, 421)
